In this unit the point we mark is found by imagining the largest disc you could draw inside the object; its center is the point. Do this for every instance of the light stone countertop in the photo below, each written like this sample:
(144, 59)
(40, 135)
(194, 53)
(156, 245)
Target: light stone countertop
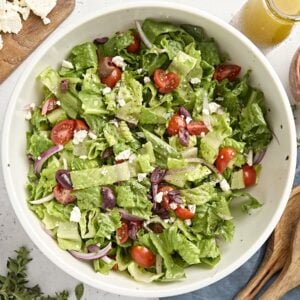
(12, 235)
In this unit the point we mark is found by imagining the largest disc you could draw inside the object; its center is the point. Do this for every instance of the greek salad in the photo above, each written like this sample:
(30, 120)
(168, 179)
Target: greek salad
(139, 145)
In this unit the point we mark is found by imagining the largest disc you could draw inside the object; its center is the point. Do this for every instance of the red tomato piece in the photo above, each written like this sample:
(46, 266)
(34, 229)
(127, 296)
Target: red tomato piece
(225, 155)
(122, 233)
(143, 256)
(183, 213)
(81, 125)
(229, 72)
(196, 128)
(63, 132)
(165, 82)
(111, 79)
(62, 195)
(135, 46)
(175, 123)
(165, 189)
(249, 175)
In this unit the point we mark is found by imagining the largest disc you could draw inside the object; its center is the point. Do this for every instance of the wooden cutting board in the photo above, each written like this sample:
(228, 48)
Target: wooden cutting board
(18, 46)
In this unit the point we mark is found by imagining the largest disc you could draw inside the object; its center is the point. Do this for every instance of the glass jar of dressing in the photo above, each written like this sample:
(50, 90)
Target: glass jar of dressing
(268, 22)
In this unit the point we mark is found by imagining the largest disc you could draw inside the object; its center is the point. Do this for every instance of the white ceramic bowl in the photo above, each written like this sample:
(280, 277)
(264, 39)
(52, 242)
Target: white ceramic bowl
(278, 164)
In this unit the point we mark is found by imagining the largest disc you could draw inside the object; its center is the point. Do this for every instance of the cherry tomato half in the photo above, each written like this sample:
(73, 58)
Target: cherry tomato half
(165, 82)
(165, 189)
(183, 213)
(196, 128)
(142, 256)
(176, 122)
(225, 155)
(63, 132)
(111, 79)
(135, 46)
(62, 195)
(122, 233)
(229, 72)
(249, 175)
(81, 125)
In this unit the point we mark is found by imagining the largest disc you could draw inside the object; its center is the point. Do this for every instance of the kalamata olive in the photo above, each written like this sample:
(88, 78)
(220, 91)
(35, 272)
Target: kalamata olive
(160, 211)
(184, 112)
(109, 198)
(64, 179)
(108, 152)
(184, 137)
(101, 41)
(134, 227)
(156, 227)
(64, 85)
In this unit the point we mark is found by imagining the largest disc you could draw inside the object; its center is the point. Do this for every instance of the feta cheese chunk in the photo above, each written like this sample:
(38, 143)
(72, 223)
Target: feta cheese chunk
(250, 158)
(124, 155)
(192, 208)
(75, 214)
(10, 21)
(147, 79)
(141, 176)
(28, 115)
(119, 62)
(173, 205)
(41, 8)
(195, 80)
(188, 222)
(67, 64)
(188, 120)
(92, 135)
(106, 90)
(79, 136)
(121, 102)
(158, 198)
(224, 185)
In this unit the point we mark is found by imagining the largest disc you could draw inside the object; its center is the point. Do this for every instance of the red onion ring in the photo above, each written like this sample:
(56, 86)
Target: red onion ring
(258, 157)
(43, 200)
(44, 156)
(142, 34)
(106, 66)
(49, 105)
(92, 256)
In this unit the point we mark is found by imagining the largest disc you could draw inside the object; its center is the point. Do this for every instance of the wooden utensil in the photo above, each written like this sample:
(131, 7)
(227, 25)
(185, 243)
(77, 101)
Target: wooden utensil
(289, 277)
(18, 46)
(277, 249)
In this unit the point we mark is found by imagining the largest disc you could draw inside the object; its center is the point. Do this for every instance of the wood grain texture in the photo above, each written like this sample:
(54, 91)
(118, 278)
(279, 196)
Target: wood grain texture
(19, 46)
(278, 248)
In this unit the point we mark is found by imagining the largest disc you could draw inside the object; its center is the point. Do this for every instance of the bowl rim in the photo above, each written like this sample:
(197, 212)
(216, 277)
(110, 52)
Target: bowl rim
(43, 246)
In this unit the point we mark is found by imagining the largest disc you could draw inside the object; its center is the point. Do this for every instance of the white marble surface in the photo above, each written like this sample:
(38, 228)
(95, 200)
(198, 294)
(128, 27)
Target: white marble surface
(12, 236)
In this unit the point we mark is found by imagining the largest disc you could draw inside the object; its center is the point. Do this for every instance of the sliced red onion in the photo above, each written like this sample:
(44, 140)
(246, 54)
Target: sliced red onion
(184, 137)
(133, 230)
(64, 179)
(43, 200)
(129, 217)
(174, 196)
(258, 157)
(160, 211)
(109, 198)
(101, 41)
(158, 264)
(93, 248)
(190, 152)
(64, 85)
(154, 190)
(44, 156)
(49, 105)
(184, 112)
(108, 152)
(157, 175)
(106, 66)
(106, 259)
(92, 256)
(142, 34)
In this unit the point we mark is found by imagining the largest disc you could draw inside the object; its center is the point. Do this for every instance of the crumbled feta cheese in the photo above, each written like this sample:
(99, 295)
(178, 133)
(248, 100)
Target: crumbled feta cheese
(121, 102)
(1, 42)
(141, 176)
(10, 21)
(188, 120)
(58, 103)
(46, 21)
(202, 134)
(250, 158)
(195, 80)
(173, 205)
(28, 115)
(192, 208)
(75, 214)
(92, 135)
(213, 107)
(41, 8)
(115, 122)
(172, 219)
(83, 157)
(32, 105)
(106, 90)
(39, 158)
(166, 221)
(124, 155)
(132, 158)
(104, 172)
(147, 79)
(67, 64)
(139, 71)
(225, 187)
(205, 111)
(79, 136)
(158, 198)
(188, 222)
(119, 62)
